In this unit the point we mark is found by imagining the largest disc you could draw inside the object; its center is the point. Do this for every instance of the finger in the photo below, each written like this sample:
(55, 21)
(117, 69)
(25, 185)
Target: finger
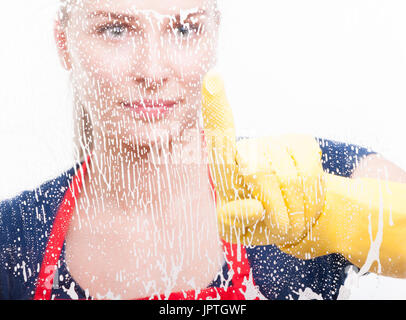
(241, 213)
(242, 221)
(267, 190)
(217, 114)
(260, 234)
(268, 155)
(255, 168)
(219, 133)
(307, 158)
(291, 186)
(235, 217)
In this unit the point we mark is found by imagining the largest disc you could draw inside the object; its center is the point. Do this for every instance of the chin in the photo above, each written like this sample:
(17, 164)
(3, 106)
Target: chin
(130, 136)
(141, 141)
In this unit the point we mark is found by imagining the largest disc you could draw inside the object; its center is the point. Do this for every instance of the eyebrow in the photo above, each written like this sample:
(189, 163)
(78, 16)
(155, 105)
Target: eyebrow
(132, 18)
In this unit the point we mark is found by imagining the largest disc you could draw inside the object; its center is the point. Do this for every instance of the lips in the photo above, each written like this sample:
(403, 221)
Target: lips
(150, 109)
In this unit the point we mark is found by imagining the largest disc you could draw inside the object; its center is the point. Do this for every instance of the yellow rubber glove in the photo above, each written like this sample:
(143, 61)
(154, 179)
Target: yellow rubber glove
(273, 191)
(270, 190)
(364, 220)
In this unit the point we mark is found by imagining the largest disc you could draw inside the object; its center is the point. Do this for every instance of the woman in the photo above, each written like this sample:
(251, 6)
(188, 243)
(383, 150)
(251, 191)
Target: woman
(136, 218)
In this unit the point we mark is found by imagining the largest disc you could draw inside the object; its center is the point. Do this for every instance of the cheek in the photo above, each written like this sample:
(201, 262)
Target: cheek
(99, 67)
(190, 64)
(195, 59)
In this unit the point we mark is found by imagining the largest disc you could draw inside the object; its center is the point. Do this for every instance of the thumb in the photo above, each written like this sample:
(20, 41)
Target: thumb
(218, 118)
(219, 133)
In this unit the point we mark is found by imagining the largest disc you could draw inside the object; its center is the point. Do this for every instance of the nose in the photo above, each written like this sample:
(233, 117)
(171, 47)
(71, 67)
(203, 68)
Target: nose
(152, 71)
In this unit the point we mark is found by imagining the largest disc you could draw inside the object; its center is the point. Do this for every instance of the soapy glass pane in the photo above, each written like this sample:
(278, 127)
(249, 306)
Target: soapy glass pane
(146, 212)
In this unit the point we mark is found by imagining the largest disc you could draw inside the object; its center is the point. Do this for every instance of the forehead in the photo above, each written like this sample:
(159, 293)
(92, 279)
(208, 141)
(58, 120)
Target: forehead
(164, 7)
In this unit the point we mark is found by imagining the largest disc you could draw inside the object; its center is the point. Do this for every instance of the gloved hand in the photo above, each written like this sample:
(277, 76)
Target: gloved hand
(273, 191)
(364, 220)
(269, 190)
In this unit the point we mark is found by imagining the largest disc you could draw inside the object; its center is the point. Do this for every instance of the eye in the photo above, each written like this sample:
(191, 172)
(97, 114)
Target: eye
(186, 29)
(114, 31)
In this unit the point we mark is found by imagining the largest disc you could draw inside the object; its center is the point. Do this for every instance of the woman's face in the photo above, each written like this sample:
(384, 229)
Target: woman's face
(137, 66)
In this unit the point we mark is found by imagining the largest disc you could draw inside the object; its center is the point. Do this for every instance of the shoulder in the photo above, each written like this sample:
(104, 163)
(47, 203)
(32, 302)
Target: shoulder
(33, 207)
(341, 158)
(25, 224)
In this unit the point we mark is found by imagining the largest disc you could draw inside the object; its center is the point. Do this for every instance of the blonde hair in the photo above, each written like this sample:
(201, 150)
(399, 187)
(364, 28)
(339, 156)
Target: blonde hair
(64, 7)
(83, 130)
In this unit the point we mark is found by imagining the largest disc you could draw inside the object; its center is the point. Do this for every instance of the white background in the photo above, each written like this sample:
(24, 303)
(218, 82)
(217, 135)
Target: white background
(334, 69)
